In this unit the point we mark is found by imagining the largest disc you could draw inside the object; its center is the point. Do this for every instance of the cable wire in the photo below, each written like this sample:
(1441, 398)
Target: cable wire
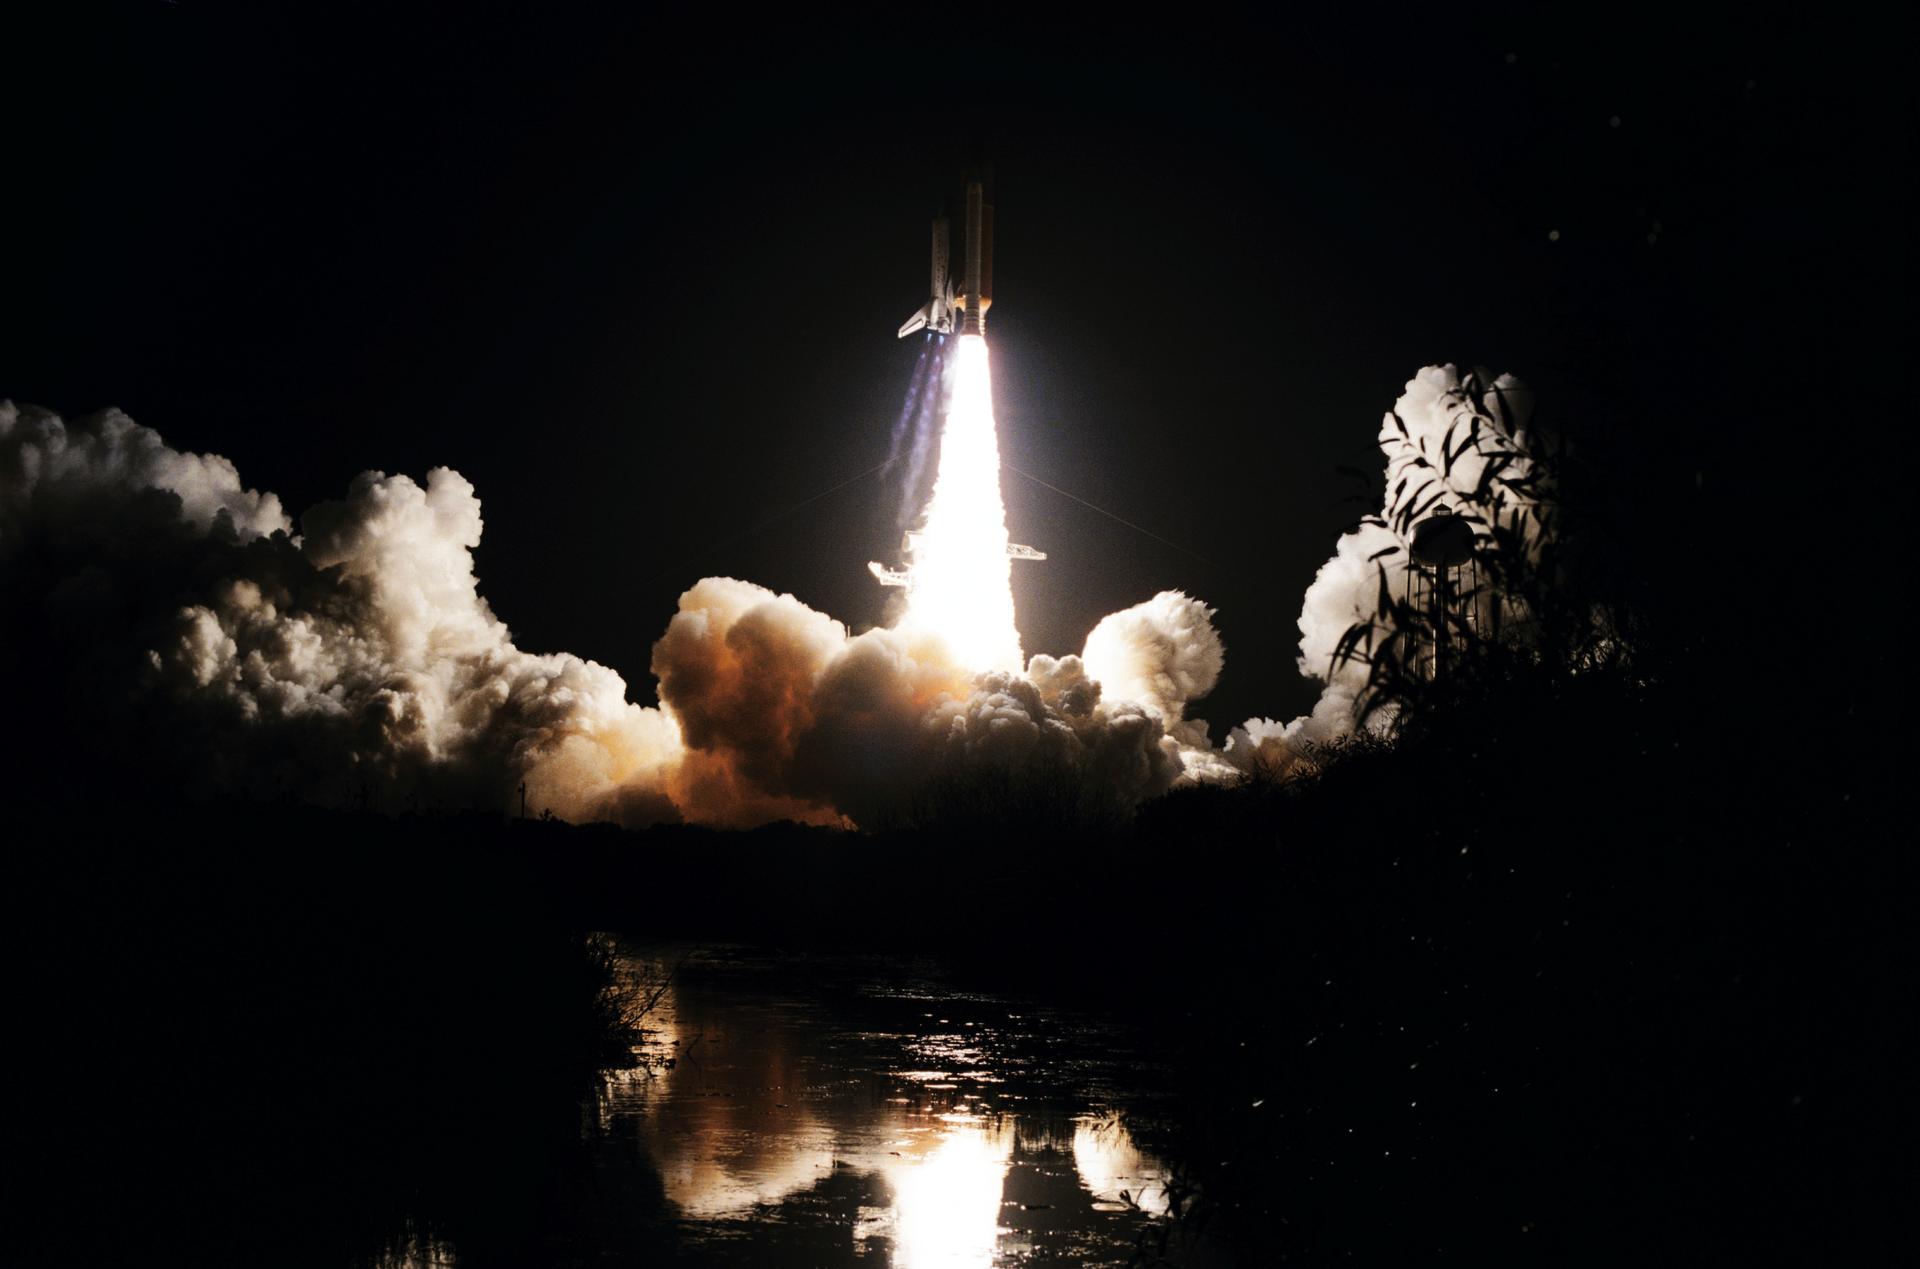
(1109, 515)
(769, 522)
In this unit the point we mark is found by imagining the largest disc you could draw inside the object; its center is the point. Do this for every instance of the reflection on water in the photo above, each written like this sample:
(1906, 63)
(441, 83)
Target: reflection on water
(870, 1118)
(946, 1202)
(1116, 1172)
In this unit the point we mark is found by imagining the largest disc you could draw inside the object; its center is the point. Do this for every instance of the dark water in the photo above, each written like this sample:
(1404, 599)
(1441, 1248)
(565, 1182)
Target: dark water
(853, 1111)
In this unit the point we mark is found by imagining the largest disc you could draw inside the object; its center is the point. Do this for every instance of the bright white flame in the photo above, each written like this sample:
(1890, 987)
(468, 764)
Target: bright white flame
(962, 580)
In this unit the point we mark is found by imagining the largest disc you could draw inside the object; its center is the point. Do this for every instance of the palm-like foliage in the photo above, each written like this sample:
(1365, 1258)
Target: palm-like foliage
(1522, 602)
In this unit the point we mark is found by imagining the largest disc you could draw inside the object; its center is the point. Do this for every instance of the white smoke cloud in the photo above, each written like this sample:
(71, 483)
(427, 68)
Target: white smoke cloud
(358, 661)
(379, 652)
(49, 473)
(786, 715)
(1163, 653)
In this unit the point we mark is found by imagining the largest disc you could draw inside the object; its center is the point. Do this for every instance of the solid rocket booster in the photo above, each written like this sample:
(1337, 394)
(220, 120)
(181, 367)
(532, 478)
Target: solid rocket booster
(975, 294)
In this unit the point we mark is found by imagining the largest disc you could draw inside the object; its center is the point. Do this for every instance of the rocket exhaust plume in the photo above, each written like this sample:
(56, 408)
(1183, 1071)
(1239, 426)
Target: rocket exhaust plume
(961, 587)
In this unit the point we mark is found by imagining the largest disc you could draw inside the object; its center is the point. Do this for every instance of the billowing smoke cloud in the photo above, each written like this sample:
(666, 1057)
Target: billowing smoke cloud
(1163, 653)
(786, 715)
(51, 475)
(1166, 654)
(356, 662)
(187, 627)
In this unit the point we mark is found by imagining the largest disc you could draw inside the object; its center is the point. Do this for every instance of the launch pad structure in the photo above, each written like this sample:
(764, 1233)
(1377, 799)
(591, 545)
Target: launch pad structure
(1447, 587)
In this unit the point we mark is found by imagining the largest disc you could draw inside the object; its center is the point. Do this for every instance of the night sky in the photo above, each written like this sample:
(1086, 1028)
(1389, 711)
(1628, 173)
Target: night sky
(640, 282)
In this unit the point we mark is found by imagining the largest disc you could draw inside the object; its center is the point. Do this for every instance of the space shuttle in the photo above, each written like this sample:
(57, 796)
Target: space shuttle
(945, 311)
(967, 309)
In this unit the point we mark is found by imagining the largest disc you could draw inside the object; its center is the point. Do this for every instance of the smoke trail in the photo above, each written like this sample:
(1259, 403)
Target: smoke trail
(914, 433)
(901, 438)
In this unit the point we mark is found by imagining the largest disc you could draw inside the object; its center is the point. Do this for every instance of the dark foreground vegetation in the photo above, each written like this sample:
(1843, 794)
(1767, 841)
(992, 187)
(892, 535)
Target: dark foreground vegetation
(1576, 981)
(1561, 978)
(265, 1036)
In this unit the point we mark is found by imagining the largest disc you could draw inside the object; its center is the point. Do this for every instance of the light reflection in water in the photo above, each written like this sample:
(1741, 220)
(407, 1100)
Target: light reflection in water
(1114, 1170)
(946, 1201)
(724, 1150)
(765, 1105)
